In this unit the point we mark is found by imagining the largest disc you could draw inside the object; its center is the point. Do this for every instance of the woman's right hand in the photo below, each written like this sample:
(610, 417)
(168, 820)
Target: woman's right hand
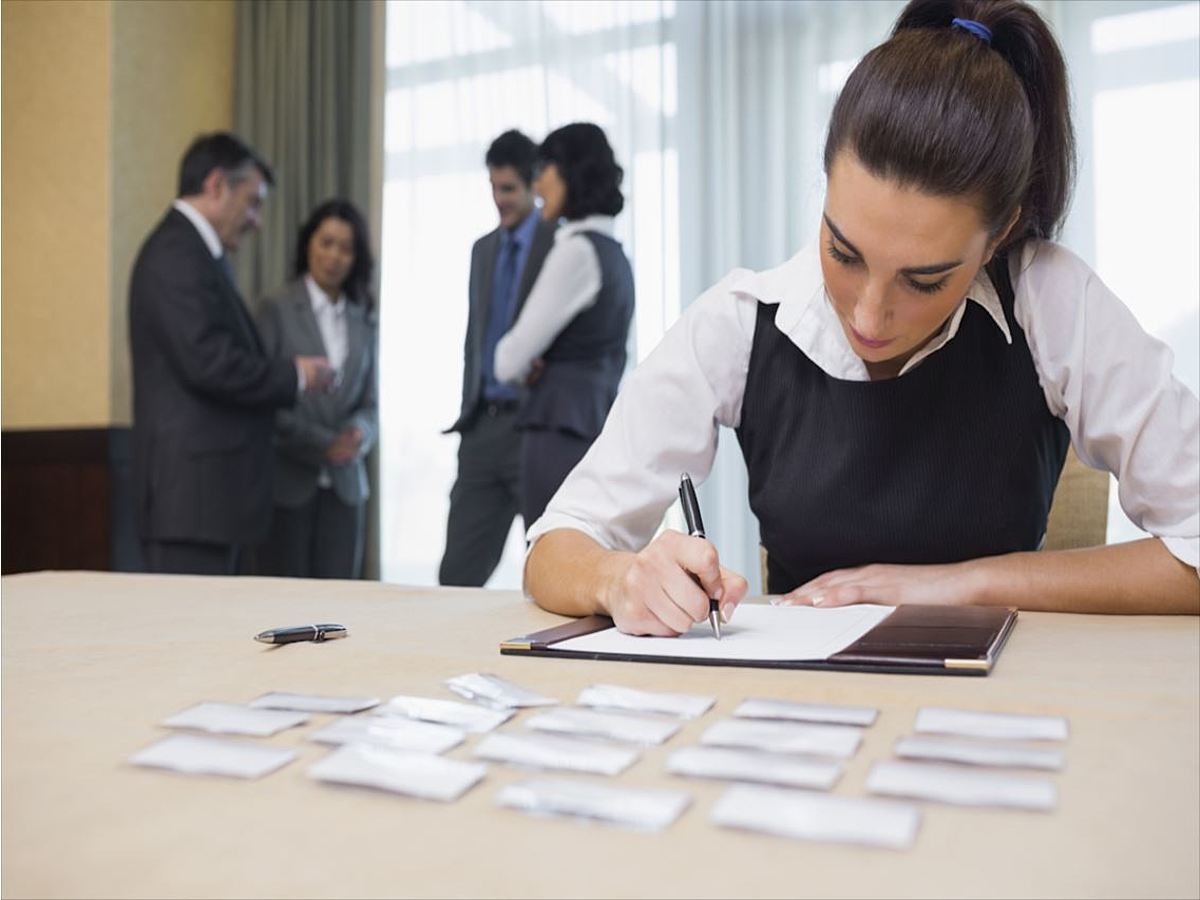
(655, 591)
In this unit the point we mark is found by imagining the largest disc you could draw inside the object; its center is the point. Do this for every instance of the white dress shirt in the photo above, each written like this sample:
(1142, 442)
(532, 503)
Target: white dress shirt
(568, 283)
(211, 240)
(1108, 380)
(331, 320)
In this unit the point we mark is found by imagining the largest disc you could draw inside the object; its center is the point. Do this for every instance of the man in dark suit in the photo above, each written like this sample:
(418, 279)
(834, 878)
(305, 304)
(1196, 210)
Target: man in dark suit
(504, 265)
(204, 392)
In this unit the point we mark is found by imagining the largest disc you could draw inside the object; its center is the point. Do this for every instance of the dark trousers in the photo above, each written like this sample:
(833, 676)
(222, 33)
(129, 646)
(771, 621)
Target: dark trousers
(191, 558)
(547, 457)
(322, 539)
(484, 500)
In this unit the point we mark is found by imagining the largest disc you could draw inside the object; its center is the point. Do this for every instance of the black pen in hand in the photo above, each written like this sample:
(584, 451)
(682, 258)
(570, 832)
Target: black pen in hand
(695, 527)
(317, 633)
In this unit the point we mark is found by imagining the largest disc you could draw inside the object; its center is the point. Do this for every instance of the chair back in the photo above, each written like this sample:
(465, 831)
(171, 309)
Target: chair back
(1079, 512)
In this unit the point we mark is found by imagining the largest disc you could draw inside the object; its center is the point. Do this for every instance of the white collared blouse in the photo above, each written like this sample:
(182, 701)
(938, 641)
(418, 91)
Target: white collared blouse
(568, 283)
(1109, 381)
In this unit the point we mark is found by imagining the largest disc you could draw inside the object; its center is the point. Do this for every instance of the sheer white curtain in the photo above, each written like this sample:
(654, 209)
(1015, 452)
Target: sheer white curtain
(458, 74)
(757, 83)
(1135, 75)
(718, 112)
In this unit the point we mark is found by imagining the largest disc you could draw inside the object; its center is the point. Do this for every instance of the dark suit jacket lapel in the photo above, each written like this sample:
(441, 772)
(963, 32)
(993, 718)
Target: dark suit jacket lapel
(228, 291)
(543, 240)
(484, 299)
(249, 329)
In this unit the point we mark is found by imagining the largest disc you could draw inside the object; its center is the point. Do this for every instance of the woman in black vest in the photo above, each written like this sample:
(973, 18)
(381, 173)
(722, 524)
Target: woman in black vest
(568, 344)
(904, 390)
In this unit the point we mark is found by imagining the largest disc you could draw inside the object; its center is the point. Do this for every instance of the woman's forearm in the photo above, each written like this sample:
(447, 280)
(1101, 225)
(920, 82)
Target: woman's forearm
(569, 573)
(1137, 577)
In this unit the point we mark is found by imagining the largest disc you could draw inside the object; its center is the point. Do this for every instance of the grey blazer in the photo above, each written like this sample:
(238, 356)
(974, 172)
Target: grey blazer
(303, 432)
(483, 269)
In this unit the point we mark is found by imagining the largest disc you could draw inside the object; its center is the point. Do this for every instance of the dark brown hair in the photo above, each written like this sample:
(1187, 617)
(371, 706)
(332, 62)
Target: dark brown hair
(938, 109)
(358, 282)
(218, 150)
(588, 168)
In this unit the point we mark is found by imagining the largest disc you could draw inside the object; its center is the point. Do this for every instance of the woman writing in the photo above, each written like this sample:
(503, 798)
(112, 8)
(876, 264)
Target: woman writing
(322, 443)
(904, 391)
(568, 343)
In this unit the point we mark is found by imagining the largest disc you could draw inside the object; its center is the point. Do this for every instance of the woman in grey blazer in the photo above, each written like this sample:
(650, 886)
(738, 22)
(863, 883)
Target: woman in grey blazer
(321, 444)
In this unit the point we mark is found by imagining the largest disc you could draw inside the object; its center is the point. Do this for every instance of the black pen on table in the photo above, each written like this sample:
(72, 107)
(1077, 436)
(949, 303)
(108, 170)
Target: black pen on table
(695, 527)
(318, 633)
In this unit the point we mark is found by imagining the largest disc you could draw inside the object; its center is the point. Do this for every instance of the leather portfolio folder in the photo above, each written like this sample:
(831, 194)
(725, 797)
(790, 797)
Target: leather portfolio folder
(919, 640)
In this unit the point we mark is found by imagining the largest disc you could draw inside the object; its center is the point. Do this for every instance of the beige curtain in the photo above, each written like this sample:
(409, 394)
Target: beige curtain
(308, 95)
(302, 98)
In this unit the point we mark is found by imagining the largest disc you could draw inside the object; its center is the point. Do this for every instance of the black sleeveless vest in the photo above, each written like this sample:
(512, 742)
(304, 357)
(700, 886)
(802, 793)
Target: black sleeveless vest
(956, 459)
(585, 363)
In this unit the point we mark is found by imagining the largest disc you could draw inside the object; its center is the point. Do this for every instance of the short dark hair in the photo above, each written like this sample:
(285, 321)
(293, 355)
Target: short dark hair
(939, 109)
(358, 282)
(586, 164)
(513, 149)
(217, 150)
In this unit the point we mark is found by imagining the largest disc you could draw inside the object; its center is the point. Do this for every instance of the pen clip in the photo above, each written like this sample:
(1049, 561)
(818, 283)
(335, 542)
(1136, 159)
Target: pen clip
(691, 506)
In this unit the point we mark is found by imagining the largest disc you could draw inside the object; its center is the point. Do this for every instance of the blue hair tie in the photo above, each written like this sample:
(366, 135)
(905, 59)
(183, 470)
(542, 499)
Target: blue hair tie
(978, 29)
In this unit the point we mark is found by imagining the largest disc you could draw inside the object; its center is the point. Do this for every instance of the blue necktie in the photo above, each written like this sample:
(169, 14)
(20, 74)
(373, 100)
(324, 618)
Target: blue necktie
(507, 288)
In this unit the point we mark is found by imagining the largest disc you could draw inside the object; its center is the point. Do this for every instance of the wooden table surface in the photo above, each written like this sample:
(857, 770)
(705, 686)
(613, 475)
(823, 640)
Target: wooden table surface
(92, 662)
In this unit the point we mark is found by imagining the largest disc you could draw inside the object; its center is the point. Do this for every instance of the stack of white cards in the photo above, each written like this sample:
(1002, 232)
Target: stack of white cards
(395, 750)
(497, 692)
(953, 745)
(468, 716)
(764, 748)
(611, 696)
(197, 755)
(423, 775)
(599, 736)
(818, 817)
(640, 808)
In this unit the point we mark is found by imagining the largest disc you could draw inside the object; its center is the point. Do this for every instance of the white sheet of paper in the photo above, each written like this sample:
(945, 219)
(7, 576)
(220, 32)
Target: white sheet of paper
(415, 774)
(972, 723)
(601, 723)
(195, 754)
(752, 765)
(542, 751)
(784, 737)
(395, 732)
(613, 696)
(643, 808)
(947, 783)
(791, 710)
(467, 716)
(313, 703)
(979, 753)
(818, 817)
(757, 632)
(229, 718)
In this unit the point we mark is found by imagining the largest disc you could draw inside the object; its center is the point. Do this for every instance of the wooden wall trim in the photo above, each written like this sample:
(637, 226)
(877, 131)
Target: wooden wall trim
(60, 494)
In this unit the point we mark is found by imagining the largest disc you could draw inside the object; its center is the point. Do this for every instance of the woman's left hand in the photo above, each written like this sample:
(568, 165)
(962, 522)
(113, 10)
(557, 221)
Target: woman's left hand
(536, 368)
(954, 584)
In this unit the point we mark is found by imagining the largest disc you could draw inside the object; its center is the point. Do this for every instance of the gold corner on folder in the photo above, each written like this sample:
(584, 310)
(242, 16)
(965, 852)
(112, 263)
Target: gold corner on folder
(967, 664)
(516, 645)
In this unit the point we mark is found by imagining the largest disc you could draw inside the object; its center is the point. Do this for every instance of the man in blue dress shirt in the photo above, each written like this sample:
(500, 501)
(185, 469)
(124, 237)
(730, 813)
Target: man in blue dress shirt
(504, 265)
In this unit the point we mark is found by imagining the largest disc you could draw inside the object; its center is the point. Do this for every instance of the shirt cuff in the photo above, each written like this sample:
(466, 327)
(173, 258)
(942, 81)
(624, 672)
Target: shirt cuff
(300, 383)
